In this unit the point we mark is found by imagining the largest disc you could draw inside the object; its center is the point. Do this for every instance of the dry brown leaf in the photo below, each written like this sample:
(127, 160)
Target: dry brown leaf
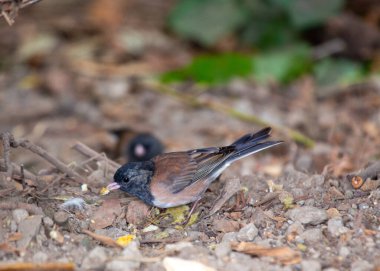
(137, 212)
(225, 225)
(284, 255)
(106, 213)
(14, 236)
(105, 240)
(232, 186)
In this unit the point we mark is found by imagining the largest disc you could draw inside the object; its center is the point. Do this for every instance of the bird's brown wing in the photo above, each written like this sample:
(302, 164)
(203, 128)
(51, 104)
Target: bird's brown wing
(178, 170)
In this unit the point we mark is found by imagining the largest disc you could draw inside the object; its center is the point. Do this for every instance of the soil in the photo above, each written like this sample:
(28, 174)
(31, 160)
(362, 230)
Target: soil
(287, 208)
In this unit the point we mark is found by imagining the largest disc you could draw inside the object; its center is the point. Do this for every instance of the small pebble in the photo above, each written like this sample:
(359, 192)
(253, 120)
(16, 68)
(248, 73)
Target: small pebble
(311, 265)
(95, 258)
(312, 235)
(19, 215)
(61, 217)
(48, 222)
(40, 257)
(247, 233)
(344, 252)
(363, 206)
(333, 212)
(229, 237)
(349, 194)
(222, 249)
(335, 226)
(361, 265)
(307, 215)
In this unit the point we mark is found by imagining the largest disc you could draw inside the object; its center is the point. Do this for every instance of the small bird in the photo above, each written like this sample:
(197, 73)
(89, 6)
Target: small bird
(143, 147)
(177, 178)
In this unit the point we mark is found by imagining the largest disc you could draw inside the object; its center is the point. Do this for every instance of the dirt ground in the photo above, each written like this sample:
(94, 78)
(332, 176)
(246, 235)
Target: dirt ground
(288, 208)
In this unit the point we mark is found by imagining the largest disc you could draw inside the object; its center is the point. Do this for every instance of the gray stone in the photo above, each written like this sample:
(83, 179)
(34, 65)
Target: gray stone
(361, 265)
(229, 237)
(335, 226)
(312, 235)
(13, 226)
(132, 252)
(296, 227)
(247, 233)
(330, 269)
(344, 252)
(178, 246)
(29, 228)
(222, 249)
(311, 265)
(61, 217)
(118, 265)
(19, 215)
(48, 222)
(40, 257)
(130, 256)
(307, 215)
(95, 258)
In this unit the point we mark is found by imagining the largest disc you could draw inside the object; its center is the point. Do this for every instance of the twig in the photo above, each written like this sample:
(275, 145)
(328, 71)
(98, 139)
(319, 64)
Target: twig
(27, 174)
(103, 239)
(19, 266)
(45, 155)
(194, 101)
(9, 8)
(31, 208)
(92, 154)
(232, 186)
(6, 167)
(267, 198)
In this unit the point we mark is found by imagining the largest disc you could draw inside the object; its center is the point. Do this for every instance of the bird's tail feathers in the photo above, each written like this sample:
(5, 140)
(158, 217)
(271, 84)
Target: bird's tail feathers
(252, 143)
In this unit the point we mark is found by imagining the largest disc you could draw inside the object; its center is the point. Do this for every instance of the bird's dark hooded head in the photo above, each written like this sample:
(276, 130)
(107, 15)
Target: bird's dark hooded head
(134, 178)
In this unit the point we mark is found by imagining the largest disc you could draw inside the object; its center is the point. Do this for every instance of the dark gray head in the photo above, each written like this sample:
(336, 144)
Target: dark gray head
(144, 147)
(134, 178)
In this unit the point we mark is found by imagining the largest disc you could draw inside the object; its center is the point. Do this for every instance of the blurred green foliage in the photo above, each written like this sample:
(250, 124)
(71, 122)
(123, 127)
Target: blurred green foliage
(212, 69)
(273, 27)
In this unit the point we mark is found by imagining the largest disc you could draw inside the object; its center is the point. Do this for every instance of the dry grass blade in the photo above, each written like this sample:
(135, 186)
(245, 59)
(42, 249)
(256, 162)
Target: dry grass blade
(284, 255)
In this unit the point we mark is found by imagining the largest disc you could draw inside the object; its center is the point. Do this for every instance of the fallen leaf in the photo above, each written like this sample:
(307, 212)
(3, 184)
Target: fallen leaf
(284, 255)
(225, 225)
(231, 188)
(14, 236)
(106, 213)
(137, 212)
(125, 240)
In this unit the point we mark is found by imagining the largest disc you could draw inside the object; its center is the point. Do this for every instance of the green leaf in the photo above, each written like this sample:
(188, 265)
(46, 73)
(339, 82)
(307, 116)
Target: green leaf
(282, 65)
(212, 69)
(206, 21)
(308, 13)
(337, 71)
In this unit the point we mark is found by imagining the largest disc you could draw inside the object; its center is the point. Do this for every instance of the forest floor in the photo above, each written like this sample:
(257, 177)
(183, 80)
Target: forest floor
(288, 208)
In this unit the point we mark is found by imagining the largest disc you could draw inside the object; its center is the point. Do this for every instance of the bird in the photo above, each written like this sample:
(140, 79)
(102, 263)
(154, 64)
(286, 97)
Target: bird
(143, 146)
(177, 178)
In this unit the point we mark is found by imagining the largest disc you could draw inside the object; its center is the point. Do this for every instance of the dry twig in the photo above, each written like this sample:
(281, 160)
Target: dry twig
(103, 239)
(37, 266)
(8, 139)
(90, 153)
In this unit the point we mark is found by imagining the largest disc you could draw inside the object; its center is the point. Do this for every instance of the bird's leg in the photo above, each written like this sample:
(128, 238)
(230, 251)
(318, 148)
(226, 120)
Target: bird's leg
(190, 212)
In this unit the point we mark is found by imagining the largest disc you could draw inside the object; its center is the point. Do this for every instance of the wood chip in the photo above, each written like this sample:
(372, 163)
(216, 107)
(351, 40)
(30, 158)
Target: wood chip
(283, 255)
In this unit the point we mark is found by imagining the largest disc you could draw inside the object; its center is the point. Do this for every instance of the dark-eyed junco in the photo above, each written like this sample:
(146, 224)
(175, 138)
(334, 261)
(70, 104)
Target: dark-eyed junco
(177, 178)
(143, 147)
